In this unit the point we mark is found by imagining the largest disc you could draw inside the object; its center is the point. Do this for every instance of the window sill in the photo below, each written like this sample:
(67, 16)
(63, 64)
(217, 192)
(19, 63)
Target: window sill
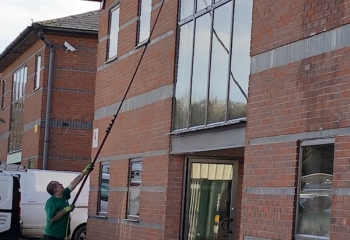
(36, 89)
(131, 220)
(109, 60)
(101, 215)
(143, 43)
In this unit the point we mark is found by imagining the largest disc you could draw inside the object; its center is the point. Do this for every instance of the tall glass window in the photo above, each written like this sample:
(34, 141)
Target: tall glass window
(3, 91)
(315, 192)
(37, 72)
(104, 187)
(145, 9)
(113, 33)
(17, 108)
(134, 192)
(213, 62)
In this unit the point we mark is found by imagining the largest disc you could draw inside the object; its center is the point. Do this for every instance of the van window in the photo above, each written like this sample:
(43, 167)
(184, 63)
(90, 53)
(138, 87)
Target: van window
(104, 187)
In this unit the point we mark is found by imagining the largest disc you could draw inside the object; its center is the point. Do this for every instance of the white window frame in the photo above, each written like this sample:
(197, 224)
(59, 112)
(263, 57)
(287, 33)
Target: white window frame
(130, 187)
(144, 22)
(113, 32)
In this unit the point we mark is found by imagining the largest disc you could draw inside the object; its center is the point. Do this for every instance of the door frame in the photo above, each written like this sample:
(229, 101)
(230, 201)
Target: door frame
(186, 189)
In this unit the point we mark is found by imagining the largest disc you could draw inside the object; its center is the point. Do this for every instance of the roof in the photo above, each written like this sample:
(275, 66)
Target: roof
(85, 24)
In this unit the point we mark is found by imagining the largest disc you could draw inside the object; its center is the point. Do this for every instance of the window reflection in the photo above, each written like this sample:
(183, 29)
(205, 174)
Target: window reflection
(224, 97)
(134, 188)
(104, 187)
(186, 8)
(200, 70)
(219, 71)
(184, 76)
(145, 20)
(113, 33)
(315, 194)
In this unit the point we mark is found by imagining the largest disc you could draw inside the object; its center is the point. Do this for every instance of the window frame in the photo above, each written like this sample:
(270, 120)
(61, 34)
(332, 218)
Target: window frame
(108, 48)
(37, 75)
(302, 144)
(3, 92)
(130, 216)
(139, 23)
(108, 166)
(185, 122)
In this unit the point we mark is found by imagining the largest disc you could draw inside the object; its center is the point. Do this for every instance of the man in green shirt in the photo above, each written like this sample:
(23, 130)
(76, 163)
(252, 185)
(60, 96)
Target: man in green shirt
(57, 208)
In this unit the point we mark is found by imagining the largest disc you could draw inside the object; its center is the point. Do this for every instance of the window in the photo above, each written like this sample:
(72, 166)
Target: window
(3, 90)
(213, 62)
(104, 187)
(113, 33)
(145, 9)
(134, 190)
(37, 72)
(315, 191)
(17, 109)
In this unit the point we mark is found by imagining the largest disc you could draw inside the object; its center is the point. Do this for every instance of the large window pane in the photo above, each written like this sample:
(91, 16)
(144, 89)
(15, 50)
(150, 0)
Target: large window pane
(187, 7)
(200, 70)
(37, 72)
(240, 65)
(145, 20)
(104, 187)
(315, 191)
(134, 194)
(184, 76)
(113, 33)
(220, 63)
(201, 4)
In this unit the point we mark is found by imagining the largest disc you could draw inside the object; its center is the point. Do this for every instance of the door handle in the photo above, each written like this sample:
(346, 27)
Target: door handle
(226, 222)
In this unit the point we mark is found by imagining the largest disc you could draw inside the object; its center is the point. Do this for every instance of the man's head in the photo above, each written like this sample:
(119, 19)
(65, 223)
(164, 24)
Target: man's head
(54, 188)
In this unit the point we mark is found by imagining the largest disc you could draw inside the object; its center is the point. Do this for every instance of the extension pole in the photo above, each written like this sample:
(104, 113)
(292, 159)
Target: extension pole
(108, 130)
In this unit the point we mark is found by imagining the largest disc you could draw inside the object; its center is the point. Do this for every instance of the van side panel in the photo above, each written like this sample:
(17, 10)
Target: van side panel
(9, 207)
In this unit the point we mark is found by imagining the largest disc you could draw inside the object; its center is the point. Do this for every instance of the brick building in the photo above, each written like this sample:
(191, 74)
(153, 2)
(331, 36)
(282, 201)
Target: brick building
(189, 157)
(47, 94)
(296, 166)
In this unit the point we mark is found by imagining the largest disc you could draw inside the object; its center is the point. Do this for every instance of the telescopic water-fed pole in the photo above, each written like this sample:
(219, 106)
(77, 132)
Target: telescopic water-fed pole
(108, 130)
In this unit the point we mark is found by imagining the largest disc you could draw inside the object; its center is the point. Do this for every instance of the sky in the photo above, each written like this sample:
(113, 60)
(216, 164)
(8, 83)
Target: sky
(16, 15)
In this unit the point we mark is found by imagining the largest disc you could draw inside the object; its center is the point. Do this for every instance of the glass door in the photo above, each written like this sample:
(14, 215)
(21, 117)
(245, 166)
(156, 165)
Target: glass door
(210, 199)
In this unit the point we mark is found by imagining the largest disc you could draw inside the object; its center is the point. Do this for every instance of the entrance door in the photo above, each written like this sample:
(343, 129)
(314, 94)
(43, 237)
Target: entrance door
(210, 199)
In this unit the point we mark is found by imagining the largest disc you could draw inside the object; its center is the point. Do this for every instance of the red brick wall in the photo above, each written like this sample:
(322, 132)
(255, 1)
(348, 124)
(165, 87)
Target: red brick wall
(72, 100)
(277, 23)
(138, 131)
(304, 96)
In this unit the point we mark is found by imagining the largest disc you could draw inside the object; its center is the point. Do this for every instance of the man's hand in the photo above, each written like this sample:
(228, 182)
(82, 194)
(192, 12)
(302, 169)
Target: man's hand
(88, 168)
(69, 208)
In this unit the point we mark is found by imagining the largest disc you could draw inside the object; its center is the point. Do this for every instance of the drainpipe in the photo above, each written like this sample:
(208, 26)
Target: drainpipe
(48, 99)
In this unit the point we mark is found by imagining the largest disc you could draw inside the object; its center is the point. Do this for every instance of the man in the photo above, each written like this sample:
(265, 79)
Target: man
(57, 207)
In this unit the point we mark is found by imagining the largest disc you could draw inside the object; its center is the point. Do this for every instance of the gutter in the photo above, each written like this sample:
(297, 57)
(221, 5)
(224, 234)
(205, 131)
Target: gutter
(48, 98)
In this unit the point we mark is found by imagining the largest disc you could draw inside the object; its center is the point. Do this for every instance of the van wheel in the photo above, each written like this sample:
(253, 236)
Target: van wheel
(80, 233)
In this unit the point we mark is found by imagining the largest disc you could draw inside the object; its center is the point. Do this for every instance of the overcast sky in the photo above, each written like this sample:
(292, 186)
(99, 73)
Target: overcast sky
(16, 15)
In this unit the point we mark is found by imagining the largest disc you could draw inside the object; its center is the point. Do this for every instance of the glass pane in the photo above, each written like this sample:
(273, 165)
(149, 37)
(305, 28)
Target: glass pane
(37, 74)
(187, 7)
(315, 198)
(200, 70)
(113, 33)
(183, 82)
(24, 81)
(104, 187)
(220, 63)
(240, 65)
(135, 188)
(14, 86)
(145, 20)
(210, 200)
(201, 4)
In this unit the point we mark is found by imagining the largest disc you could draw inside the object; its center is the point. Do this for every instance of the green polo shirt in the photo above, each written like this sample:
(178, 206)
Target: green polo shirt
(57, 229)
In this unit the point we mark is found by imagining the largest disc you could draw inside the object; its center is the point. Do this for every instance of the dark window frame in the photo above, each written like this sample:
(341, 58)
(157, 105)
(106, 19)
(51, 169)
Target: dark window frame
(128, 215)
(3, 92)
(139, 14)
(37, 75)
(108, 48)
(103, 179)
(301, 184)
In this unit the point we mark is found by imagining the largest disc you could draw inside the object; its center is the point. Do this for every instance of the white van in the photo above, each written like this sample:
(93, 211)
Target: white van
(10, 197)
(33, 184)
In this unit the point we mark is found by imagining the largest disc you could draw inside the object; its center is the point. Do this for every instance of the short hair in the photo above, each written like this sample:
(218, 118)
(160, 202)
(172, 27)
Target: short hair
(51, 187)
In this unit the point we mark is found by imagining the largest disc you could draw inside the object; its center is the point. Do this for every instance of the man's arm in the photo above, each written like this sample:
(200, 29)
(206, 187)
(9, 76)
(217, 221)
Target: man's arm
(75, 182)
(80, 177)
(61, 213)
